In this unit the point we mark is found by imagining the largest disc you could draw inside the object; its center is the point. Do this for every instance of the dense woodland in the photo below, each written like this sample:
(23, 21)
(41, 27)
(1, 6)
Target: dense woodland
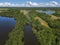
(45, 35)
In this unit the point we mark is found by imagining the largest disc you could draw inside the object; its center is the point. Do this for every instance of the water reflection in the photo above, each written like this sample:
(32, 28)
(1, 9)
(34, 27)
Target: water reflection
(29, 38)
(6, 25)
(47, 11)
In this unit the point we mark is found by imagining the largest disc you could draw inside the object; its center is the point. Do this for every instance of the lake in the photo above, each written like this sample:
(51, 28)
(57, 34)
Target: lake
(47, 11)
(6, 26)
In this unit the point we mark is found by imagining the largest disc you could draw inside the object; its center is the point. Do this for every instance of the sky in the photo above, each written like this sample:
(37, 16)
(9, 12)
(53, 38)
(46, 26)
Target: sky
(29, 3)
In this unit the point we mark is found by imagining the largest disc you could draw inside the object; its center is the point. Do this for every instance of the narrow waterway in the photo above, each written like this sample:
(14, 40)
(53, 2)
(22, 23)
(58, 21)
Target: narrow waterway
(29, 38)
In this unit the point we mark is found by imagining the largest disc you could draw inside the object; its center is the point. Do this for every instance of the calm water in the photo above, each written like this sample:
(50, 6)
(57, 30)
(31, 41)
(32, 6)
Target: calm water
(47, 12)
(6, 25)
(29, 38)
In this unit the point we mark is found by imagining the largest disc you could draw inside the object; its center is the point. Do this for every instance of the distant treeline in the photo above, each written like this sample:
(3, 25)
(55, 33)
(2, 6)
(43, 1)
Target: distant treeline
(35, 8)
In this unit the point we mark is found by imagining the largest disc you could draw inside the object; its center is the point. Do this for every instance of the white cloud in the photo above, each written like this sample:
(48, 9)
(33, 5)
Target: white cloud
(49, 4)
(31, 4)
(7, 4)
(54, 2)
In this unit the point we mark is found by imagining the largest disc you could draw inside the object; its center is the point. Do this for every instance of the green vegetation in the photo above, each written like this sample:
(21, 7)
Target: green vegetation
(57, 14)
(46, 36)
(49, 35)
(16, 37)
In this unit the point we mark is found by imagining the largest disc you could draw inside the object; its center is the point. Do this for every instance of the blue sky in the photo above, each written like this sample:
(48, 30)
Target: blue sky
(23, 1)
(30, 3)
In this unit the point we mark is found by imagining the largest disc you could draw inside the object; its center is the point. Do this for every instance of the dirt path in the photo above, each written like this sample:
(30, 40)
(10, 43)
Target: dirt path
(42, 22)
(53, 17)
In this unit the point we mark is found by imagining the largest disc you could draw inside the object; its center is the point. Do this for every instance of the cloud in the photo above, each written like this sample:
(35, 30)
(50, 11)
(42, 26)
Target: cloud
(49, 4)
(53, 3)
(31, 4)
(7, 4)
